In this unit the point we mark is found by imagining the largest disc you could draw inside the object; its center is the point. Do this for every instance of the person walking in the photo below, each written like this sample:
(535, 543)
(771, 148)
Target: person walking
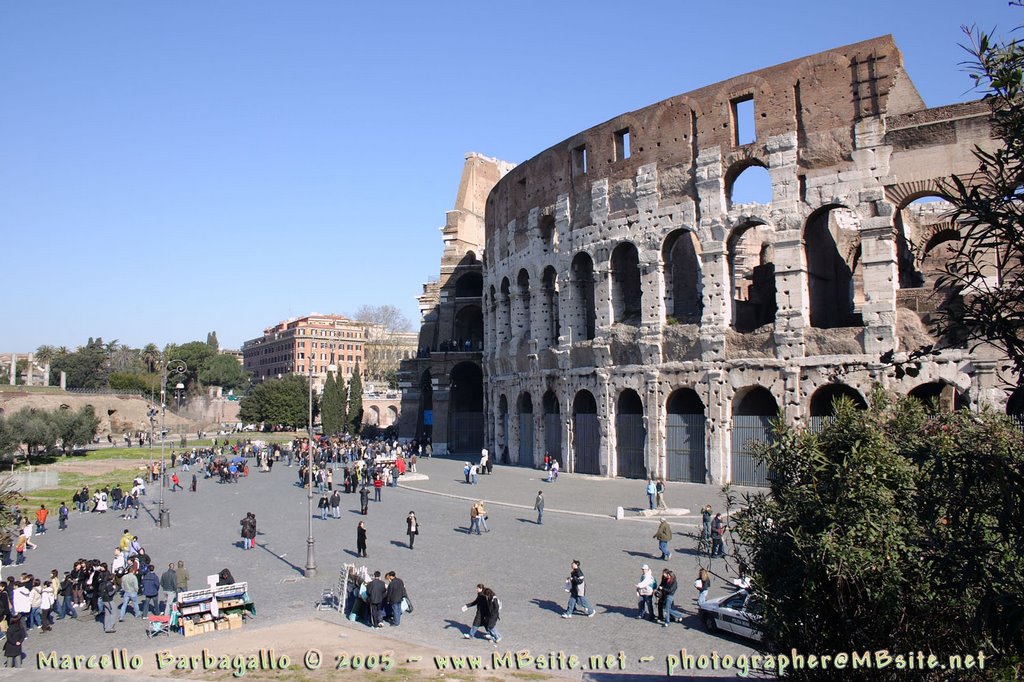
(538, 504)
(575, 585)
(717, 537)
(393, 596)
(364, 500)
(666, 597)
(659, 494)
(324, 506)
(130, 588)
(651, 490)
(493, 614)
(482, 515)
(645, 592)
(175, 482)
(474, 520)
(378, 486)
(150, 591)
(168, 588)
(336, 504)
(181, 577)
(663, 536)
(195, 483)
(62, 517)
(412, 527)
(41, 514)
(480, 617)
(361, 539)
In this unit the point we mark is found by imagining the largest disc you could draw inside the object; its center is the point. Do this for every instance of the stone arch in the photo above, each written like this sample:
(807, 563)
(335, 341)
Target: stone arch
(582, 319)
(835, 280)
(586, 434)
(940, 396)
(823, 399)
(552, 425)
(522, 313)
(752, 273)
(684, 298)
(1015, 405)
(685, 450)
(505, 310)
(469, 285)
(466, 409)
(627, 292)
(546, 230)
(524, 411)
(919, 208)
(753, 409)
(373, 416)
(549, 306)
(501, 437)
(469, 328)
(425, 419)
(748, 182)
(938, 250)
(630, 435)
(392, 413)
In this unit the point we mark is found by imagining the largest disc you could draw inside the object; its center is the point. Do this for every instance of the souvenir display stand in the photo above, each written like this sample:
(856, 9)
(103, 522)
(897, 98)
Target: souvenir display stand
(214, 608)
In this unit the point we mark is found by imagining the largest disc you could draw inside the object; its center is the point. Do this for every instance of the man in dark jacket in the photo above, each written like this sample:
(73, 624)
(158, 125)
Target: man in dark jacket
(576, 587)
(393, 597)
(375, 593)
(168, 588)
(150, 591)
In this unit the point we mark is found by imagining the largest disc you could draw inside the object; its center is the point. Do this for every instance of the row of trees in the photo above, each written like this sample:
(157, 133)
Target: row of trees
(286, 402)
(41, 430)
(112, 365)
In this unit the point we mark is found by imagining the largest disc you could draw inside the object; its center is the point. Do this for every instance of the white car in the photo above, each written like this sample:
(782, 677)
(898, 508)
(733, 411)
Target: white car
(739, 613)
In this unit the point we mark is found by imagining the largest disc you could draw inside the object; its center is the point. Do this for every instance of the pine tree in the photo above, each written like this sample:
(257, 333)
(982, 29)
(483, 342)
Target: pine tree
(329, 407)
(211, 341)
(355, 401)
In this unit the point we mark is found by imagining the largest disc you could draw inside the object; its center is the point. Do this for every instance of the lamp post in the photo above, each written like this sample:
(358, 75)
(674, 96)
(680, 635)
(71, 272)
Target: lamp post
(151, 413)
(310, 542)
(177, 367)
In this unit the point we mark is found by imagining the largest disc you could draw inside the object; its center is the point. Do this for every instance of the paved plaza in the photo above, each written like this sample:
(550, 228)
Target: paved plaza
(525, 563)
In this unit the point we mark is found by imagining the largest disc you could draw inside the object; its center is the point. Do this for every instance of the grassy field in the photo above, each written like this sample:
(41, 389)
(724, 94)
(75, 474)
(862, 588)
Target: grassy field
(73, 482)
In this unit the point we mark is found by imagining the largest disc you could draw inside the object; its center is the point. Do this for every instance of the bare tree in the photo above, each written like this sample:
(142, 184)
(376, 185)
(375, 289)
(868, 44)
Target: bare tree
(387, 340)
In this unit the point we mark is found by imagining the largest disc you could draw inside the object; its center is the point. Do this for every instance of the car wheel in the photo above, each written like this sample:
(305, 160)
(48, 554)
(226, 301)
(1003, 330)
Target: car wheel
(709, 623)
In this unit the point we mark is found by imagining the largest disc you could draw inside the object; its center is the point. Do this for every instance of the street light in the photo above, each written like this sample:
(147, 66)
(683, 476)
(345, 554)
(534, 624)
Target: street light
(177, 367)
(310, 542)
(151, 413)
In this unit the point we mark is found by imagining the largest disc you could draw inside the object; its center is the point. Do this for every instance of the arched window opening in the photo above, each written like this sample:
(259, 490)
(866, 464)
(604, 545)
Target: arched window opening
(940, 396)
(684, 300)
(914, 223)
(546, 227)
(505, 311)
(522, 311)
(752, 272)
(583, 324)
(470, 285)
(469, 329)
(525, 409)
(425, 420)
(626, 289)
(549, 300)
(501, 437)
(834, 282)
(750, 185)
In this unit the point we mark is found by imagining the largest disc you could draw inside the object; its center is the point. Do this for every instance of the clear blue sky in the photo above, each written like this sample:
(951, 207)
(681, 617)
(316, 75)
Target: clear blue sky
(172, 168)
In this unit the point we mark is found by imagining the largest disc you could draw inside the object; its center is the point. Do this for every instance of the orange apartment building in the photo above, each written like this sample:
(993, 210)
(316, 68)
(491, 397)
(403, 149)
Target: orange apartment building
(305, 345)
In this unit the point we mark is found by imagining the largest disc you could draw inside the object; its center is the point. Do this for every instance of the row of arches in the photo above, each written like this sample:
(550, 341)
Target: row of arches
(684, 449)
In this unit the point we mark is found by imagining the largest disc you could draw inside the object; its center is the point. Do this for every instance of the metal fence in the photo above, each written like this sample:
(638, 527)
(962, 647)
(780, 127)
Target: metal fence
(686, 451)
(747, 433)
(631, 438)
(587, 444)
(526, 439)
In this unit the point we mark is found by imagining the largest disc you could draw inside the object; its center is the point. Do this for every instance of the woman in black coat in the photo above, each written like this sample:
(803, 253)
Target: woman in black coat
(361, 539)
(482, 612)
(412, 527)
(16, 634)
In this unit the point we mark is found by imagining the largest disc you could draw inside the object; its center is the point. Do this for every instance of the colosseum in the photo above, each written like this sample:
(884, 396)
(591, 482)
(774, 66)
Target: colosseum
(642, 318)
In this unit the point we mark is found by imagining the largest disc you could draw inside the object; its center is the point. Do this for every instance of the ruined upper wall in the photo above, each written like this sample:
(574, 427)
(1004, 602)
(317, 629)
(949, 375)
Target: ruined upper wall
(819, 98)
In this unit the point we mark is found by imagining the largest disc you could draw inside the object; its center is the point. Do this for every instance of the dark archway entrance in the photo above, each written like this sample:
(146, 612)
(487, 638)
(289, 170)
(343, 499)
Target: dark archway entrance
(586, 434)
(823, 403)
(466, 409)
(752, 412)
(940, 396)
(630, 435)
(425, 419)
(526, 430)
(685, 435)
(552, 426)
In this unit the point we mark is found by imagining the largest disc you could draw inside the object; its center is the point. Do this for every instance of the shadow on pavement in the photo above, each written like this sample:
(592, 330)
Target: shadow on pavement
(548, 605)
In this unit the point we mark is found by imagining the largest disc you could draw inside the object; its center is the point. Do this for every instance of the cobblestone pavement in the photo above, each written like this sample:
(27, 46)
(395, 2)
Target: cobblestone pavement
(525, 563)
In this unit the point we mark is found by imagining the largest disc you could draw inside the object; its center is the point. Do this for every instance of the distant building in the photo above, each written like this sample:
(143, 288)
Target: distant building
(305, 345)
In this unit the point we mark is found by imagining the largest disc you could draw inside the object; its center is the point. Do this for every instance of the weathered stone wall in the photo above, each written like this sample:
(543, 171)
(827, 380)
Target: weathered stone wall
(617, 262)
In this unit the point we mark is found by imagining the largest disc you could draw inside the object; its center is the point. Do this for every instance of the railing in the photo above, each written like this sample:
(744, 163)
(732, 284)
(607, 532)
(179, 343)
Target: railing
(110, 391)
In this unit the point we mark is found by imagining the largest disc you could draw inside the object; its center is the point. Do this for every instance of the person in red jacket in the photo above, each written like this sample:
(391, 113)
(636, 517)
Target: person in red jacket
(378, 485)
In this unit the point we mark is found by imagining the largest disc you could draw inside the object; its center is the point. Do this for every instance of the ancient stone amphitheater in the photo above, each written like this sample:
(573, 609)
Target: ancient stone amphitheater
(641, 318)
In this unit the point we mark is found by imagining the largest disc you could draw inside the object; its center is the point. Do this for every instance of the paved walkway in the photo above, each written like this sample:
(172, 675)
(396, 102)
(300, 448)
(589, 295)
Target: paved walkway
(525, 563)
